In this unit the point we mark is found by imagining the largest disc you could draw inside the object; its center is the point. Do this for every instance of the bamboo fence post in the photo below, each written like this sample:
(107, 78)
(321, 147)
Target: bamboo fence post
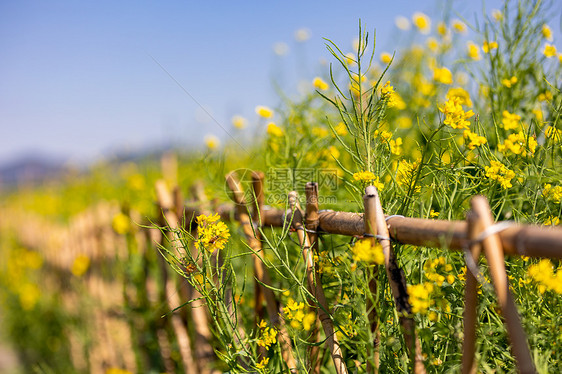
(204, 353)
(470, 317)
(311, 225)
(260, 272)
(495, 256)
(396, 278)
(369, 219)
(257, 185)
(165, 202)
(315, 286)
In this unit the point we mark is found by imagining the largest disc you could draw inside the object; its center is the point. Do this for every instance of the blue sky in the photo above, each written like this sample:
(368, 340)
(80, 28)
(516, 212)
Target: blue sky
(78, 78)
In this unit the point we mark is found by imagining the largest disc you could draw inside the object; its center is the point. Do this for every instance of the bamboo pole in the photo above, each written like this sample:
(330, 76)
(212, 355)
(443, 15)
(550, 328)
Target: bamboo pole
(165, 202)
(371, 229)
(315, 286)
(261, 274)
(518, 240)
(396, 278)
(311, 225)
(494, 254)
(470, 317)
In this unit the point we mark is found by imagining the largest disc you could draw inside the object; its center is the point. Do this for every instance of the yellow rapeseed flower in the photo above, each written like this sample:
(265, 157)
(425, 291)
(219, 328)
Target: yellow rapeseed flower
(368, 178)
(461, 94)
(80, 265)
(545, 96)
(419, 296)
(395, 146)
(509, 82)
(212, 142)
(121, 223)
(549, 50)
(442, 28)
(263, 363)
(546, 32)
(319, 84)
(392, 98)
(264, 111)
(341, 129)
(274, 130)
(267, 335)
(518, 145)
(497, 15)
(499, 172)
(432, 44)
(552, 221)
(404, 122)
(488, 46)
(239, 122)
(510, 121)
(386, 58)
(422, 22)
(455, 116)
(543, 274)
(363, 251)
(552, 193)
(473, 51)
(442, 75)
(474, 140)
(212, 233)
(459, 26)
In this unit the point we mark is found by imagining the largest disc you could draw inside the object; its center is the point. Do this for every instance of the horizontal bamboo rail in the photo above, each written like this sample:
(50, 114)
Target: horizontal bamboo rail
(518, 239)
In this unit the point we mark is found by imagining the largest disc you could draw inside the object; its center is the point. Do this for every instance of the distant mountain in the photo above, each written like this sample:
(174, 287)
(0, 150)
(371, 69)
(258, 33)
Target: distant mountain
(29, 169)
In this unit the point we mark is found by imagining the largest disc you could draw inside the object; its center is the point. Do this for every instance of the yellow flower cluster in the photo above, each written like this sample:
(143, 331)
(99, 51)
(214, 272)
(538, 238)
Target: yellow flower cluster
(264, 111)
(431, 270)
(509, 82)
(455, 116)
(517, 144)
(274, 130)
(546, 32)
(393, 99)
(319, 84)
(405, 174)
(488, 46)
(80, 265)
(363, 251)
(267, 335)
(543, 274)
(473, 51)
(552, 221)
(212, 233)
(442, 75)
(510, 121)
(497, 171)
(553, 133)
(298, 315)
(239, 122)
(346, 326)
(549, 50)
(263, 363)
(552, 193)
(368, 178)
(461, 94)
(121, 223)
(419, 296)
(212, 142)
(422, 22)
(474, 140)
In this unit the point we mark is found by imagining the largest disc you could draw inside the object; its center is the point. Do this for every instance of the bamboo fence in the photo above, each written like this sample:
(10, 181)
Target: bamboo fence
(120, 335)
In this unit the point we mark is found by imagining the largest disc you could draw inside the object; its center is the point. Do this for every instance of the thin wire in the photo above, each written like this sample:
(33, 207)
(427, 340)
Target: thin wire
(197, 102)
